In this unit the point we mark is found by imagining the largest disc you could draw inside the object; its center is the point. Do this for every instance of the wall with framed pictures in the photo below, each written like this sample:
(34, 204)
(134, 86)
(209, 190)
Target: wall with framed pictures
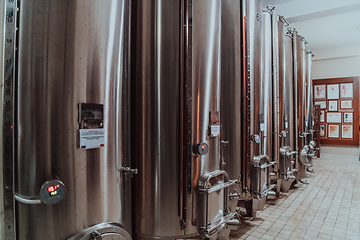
(339, 110)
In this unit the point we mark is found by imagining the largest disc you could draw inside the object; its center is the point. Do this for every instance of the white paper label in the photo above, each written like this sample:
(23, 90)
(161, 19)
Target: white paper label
(214, 130)
(306, 123)
(92, 138)
(262, 126)
(286, 125)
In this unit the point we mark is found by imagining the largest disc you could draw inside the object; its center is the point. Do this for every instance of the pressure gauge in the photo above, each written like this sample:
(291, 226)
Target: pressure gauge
(202, 148)
(282, 134)
(52, 192)
(255, 138)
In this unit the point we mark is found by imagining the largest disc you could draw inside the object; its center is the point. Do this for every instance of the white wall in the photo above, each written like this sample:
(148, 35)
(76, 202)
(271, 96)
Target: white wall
(336, 62)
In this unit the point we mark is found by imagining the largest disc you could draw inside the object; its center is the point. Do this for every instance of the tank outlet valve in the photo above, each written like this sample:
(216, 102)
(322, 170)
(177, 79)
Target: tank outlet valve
(128, 171)
(201, 148)
(255, 138)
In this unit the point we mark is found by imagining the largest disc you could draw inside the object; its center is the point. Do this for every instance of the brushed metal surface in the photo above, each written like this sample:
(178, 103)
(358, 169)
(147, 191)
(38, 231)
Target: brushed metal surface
(72, 52)
(300, 81)
(254, 32)
(288, 93)
(309, 96)
(266, 102)
(156, 125)
(281, 66)
(230, 100)
(206, 43)
(277, 126)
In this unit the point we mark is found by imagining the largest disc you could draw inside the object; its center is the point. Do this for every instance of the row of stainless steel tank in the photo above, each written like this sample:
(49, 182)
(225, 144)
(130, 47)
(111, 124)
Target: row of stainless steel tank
(147, 119)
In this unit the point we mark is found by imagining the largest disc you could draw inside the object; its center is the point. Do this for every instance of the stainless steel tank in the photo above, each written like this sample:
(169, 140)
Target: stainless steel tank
(180, 190)
(284, 101)
(72, 154)
(309, 108)
(258, 115)
(231, 100)
(300, 101)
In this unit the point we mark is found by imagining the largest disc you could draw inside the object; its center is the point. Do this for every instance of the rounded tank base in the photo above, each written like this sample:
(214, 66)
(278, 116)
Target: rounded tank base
(144, 237)
(285, 185)
(105, 231)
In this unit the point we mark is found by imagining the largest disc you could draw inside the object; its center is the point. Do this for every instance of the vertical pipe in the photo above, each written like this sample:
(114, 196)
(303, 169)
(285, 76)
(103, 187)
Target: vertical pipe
(8, 21)
(2, 33)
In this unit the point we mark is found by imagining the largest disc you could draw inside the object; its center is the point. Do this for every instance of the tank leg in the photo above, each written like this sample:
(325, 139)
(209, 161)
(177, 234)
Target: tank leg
(251, 207)
(224, 234)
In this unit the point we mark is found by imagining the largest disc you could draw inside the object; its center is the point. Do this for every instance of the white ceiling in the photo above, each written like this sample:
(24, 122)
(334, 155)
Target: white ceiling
(324, 23)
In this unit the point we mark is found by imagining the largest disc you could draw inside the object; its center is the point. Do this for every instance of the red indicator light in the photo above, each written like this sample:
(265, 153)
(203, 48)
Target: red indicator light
(203, 146)
(53, 188)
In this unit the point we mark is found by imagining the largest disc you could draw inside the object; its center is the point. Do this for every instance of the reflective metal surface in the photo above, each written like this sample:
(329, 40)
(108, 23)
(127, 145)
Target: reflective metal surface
(286, 69)
(206, 40)
(300, 96)
(300, 81)
(266, 103)
(309, 95)
(72, 52)
(156, 102)
(231, 100)
(167, 197)
(285, 105)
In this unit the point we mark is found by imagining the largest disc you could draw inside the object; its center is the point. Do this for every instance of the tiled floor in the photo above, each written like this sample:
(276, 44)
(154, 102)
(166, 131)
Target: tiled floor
(327, 208)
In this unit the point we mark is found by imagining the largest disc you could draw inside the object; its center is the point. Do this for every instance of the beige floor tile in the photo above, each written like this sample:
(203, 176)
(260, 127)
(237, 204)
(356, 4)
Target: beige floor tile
(256, 234)
(283, 236)
(271, 233)
(267, 238)
(324, 236)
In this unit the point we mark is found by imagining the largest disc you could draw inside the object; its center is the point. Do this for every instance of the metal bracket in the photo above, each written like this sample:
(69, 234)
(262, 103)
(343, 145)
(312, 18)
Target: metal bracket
(128, 171)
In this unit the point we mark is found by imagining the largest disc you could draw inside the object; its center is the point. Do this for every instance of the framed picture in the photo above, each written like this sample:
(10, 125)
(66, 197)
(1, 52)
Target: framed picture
(333, 117)
(333, 106)
(346, 131)
(346, 90)
(321, 103)
(346, 104)
(333, 91)
(322, 116)
(333, 131)
(348, 117)
(322, 130)
(320, 91)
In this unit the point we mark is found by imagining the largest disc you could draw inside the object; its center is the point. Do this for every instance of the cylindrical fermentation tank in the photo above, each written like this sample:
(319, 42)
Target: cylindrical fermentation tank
(257, 96)
(304, 97)
(309, 108)
(180, 190)
(232, 102)
(71, 119)
(283, 91)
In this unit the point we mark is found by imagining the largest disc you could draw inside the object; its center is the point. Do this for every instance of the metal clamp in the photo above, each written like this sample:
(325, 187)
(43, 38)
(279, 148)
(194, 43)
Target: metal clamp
(128, 171)
(291, 153)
